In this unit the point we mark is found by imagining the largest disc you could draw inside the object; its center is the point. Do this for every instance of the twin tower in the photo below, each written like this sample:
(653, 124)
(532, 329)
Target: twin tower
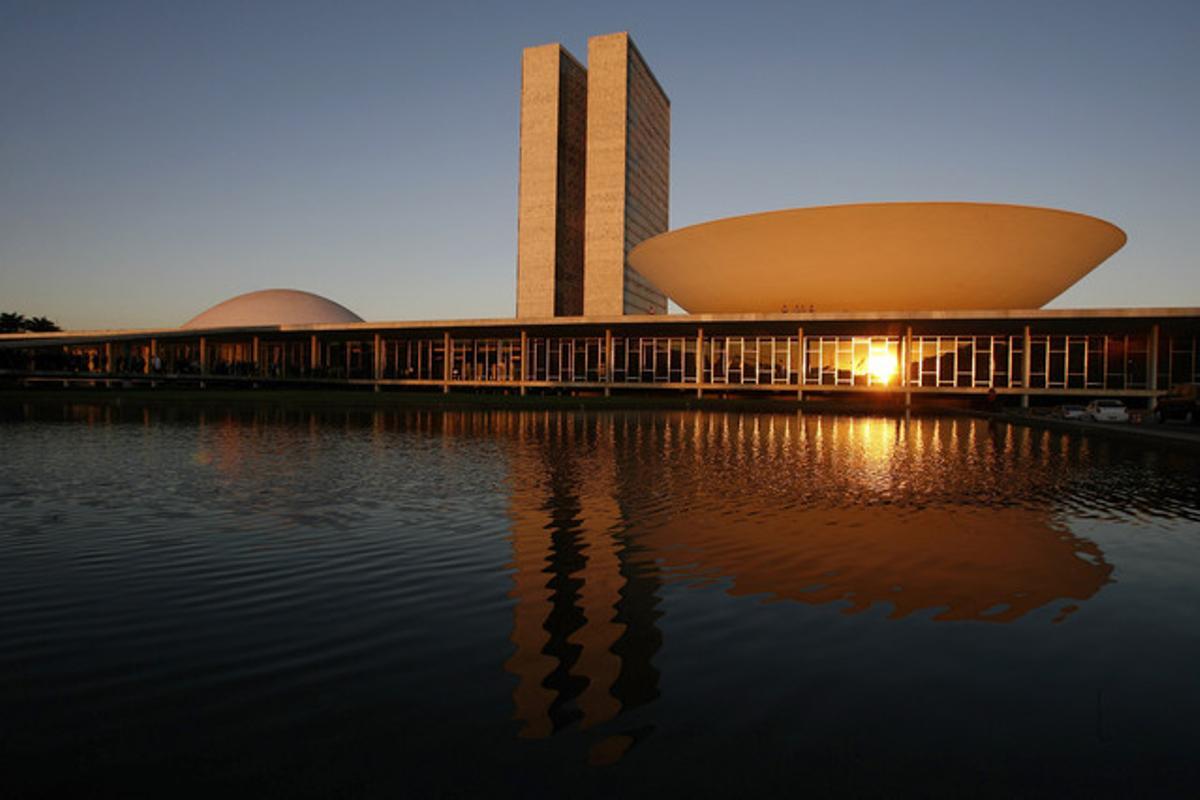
(595, 147)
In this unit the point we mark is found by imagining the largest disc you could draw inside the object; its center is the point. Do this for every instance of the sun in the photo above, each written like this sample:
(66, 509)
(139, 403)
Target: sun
(882, 366)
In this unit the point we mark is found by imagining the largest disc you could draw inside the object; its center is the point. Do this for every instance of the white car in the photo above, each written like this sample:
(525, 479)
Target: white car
(1073, 412)
(1107, 411)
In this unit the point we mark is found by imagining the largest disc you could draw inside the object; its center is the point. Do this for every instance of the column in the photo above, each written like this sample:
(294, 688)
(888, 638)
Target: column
(447, 360)
(314, 355)
(905, 360)
(524, 360)
(609, 361)
(378, 353)
(800, 366)
(1026, 363)
(699, 362)
(203, 359)
(150, 361)
(1152, 367)
(254, 356)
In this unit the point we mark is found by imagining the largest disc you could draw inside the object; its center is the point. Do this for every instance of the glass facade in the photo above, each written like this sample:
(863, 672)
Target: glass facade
(967, 361)
(1102, 362)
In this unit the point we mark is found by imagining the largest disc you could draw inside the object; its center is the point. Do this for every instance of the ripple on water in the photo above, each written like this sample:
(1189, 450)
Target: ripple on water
(470, 581)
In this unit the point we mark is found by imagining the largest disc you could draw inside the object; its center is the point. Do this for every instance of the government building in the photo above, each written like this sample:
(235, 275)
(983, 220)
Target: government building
(889, 299)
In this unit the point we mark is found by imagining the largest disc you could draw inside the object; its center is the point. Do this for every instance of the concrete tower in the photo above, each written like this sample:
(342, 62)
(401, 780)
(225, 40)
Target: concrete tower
(551, 191)
(628, 155)
(595, 147)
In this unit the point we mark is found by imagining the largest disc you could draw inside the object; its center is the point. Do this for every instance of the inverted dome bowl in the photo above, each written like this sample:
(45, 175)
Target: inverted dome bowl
(878, 257)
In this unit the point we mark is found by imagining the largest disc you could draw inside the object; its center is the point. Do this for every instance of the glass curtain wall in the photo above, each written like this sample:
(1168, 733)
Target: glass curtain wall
(1178, 360)
(566, 360)
(1069, 362)
(414, 359)
(966, 361)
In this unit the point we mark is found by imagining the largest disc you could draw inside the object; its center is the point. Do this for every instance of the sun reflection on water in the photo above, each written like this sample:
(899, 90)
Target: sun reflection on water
(934, 517)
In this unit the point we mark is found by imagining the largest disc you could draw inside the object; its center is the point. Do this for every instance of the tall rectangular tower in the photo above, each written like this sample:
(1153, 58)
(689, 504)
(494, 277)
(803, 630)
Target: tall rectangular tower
(550, 217)
(628, 154)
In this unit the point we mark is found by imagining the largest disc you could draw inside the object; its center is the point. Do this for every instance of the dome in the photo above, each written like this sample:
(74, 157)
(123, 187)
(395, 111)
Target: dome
(273, 307)
(878, 257)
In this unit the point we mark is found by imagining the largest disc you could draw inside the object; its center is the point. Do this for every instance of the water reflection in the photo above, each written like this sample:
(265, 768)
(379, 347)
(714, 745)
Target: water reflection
(596, 527)
(584, 617)
(957, 563)
(946, 517)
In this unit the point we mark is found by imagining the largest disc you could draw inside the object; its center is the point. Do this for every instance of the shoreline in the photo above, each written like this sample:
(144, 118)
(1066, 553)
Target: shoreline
(1150, 434)
(437, 401)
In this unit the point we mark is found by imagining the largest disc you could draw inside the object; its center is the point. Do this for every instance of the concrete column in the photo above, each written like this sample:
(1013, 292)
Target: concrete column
(609, 361)
(447, 360)
(524, 360)
(1152, 367)
(108, 365)
(203, 359)
(1026, 363)
(906, 346)
(378, 353)
(800, 366)
(254, 356)
(699, 362)
(314, 354)
(149, 368)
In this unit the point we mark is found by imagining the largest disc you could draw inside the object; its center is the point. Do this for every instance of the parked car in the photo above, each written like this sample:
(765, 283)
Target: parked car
(1107, 411)
(1182, 402)
(1073, 412)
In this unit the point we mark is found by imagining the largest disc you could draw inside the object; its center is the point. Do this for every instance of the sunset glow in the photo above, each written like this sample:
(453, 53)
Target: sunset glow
(882, 367)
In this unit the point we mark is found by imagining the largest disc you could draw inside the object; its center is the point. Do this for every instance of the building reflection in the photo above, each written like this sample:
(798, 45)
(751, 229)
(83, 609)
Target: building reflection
(946, 518)
(585, 603)
(953, 563)
(923, 517)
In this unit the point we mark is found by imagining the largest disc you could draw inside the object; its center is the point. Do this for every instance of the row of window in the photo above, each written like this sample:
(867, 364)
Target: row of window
(1054, 362)
(1075, 362)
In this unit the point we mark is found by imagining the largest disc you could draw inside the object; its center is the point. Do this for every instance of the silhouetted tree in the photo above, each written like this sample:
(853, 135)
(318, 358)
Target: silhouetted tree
(16, 323)
(41, 325)
(11, 323)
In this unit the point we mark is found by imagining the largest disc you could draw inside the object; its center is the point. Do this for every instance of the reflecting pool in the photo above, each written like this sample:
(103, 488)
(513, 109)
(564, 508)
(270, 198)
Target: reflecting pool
(261, 597)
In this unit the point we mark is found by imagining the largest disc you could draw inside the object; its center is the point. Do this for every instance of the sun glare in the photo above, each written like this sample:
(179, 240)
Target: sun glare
(882, 366)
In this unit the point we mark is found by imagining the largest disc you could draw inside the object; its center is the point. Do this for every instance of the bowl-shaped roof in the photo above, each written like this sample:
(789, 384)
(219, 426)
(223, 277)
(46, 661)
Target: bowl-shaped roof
(878, 257)
(273, 307)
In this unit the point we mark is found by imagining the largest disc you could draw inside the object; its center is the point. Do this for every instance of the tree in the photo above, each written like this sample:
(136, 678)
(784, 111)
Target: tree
(41, 325)
(11, 323)
(17, 323)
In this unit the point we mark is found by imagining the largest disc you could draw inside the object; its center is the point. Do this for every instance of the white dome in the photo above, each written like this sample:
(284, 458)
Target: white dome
(273, 307)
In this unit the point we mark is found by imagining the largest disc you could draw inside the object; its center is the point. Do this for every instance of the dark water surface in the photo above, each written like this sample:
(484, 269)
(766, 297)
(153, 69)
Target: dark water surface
(256, 599)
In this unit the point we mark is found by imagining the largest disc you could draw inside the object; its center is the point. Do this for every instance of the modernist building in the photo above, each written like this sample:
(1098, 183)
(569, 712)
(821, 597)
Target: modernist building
(908, 299)
(550, 197)
(879, 257)
(595, 147)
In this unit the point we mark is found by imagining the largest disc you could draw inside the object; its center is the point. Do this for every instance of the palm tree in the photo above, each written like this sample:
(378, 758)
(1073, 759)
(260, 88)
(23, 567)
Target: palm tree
(11, 322)
(41, 325)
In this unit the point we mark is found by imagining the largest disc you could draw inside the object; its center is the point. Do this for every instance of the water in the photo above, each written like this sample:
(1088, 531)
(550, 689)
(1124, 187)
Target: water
(266, 599)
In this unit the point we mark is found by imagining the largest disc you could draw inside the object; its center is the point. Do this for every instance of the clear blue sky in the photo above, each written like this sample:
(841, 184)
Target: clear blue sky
(158, 157)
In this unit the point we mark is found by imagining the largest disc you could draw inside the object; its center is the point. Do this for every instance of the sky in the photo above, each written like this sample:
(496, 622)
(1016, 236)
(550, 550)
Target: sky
(159, 157)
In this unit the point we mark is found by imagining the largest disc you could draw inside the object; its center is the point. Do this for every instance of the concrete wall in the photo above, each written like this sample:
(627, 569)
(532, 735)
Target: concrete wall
(551, 189)
(628, 150)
